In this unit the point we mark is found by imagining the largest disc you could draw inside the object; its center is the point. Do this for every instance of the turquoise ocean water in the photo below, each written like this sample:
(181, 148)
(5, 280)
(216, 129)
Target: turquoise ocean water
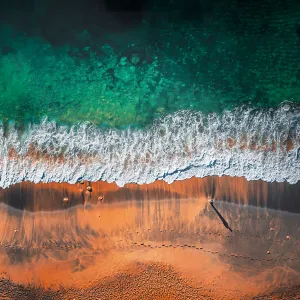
(157, 98)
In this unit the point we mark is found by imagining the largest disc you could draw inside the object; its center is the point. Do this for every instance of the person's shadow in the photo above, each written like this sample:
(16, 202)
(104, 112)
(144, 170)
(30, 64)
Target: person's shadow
(220, 216)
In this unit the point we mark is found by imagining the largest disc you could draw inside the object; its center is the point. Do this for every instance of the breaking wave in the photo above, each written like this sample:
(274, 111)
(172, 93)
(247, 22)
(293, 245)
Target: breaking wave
(256, 144)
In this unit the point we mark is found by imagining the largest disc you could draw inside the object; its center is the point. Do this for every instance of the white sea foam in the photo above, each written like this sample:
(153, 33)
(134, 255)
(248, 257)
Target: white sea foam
(178, 146)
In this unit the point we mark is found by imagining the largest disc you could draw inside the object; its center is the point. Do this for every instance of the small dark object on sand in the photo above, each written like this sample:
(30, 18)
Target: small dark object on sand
(211, 201)
(66, 199)
(89, 188)
(100, 198)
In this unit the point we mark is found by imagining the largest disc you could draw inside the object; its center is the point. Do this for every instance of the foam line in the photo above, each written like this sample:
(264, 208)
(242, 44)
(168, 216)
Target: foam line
(256, 144)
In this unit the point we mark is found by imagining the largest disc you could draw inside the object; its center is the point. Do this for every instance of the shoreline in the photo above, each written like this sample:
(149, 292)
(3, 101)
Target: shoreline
(49, 196)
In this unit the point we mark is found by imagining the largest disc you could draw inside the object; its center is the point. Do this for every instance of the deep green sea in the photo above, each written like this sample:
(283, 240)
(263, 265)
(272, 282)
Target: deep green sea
(166, 86)
(223, 55)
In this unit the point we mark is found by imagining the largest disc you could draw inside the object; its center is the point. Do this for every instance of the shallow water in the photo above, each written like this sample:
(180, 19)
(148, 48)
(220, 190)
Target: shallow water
(119, 68)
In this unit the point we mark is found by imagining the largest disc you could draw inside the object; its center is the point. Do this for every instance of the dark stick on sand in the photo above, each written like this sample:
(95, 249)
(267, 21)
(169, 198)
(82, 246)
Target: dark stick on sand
(220, 216)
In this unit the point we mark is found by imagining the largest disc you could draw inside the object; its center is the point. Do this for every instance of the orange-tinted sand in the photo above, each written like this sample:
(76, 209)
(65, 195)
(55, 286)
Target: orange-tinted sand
(155, 241)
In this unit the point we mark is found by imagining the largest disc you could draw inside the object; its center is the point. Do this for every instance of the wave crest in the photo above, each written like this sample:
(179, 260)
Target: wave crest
(256, 144)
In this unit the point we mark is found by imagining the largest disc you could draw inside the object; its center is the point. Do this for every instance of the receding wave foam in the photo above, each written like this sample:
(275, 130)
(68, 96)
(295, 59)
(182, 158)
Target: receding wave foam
(254, 144)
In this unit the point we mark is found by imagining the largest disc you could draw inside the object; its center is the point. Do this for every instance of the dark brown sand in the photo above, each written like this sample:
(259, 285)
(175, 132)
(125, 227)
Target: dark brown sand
(153, 241)
(49, 196)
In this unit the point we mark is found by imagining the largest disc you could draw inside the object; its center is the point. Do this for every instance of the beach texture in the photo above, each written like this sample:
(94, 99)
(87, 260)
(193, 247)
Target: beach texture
(156, 241)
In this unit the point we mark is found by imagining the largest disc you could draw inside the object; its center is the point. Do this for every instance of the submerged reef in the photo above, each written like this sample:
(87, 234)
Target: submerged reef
(118, 72)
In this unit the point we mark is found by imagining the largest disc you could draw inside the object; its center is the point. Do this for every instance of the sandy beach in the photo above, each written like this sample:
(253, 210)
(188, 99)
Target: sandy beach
(154, 241)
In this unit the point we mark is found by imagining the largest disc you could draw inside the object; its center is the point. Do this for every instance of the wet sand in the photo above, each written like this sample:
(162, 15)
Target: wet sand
(48, 196)
(155, 241)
